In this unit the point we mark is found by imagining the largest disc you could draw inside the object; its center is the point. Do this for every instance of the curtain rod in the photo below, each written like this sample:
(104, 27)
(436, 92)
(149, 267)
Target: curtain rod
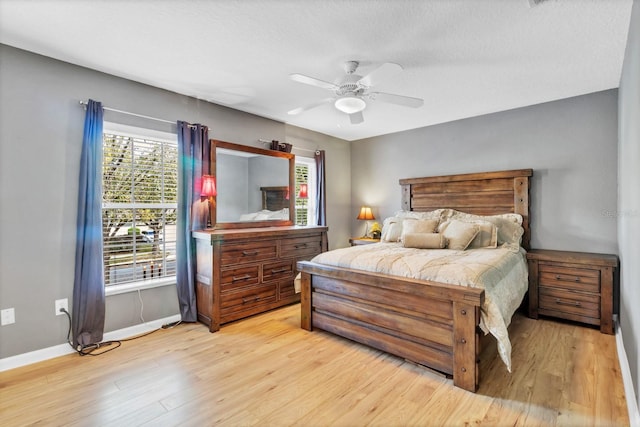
(316, 151)
(84, 105)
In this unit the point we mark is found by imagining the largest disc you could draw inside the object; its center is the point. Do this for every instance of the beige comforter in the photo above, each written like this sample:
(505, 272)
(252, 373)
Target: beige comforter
(501, 272)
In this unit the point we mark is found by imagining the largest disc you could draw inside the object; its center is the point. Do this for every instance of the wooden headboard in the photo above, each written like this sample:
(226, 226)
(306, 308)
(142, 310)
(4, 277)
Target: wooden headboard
(486, 193)
(275, 198)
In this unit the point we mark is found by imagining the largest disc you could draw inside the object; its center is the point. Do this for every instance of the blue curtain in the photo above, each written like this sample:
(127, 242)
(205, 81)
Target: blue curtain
(321, 188)
(194, 161)
(88, 285)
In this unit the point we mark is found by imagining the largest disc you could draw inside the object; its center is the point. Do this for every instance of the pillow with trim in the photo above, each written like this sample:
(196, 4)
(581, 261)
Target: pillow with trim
(509, 225)
(459, 234)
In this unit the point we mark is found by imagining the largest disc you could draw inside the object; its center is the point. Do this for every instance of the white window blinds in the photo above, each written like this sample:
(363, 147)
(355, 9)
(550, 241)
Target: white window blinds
(140, 177)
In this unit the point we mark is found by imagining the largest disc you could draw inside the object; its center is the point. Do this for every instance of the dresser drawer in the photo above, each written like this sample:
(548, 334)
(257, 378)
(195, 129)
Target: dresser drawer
(232, 278)
(301, 246)
(247, 298)
(563, 301)
(565, 277)
(239, 253)
(277, 270)
(287, 289)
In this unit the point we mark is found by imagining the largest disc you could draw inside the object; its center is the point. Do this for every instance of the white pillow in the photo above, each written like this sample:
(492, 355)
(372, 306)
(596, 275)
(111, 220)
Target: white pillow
(391, 229)
(281, 214)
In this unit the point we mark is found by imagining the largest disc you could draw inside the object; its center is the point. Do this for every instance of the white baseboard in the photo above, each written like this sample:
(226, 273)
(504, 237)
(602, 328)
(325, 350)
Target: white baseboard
(632, 403)
(63, 349)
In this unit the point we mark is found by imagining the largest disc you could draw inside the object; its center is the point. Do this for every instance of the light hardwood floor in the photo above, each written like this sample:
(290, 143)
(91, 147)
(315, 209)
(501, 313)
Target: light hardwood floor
(267, 371)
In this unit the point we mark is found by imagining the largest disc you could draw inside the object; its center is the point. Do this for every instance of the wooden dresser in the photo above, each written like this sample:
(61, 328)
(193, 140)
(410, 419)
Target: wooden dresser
(242, 272)
(573, 285)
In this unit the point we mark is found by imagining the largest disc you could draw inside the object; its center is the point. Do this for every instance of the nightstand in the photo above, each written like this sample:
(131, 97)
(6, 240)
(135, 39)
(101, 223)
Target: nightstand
(575, 286)
(356, 241)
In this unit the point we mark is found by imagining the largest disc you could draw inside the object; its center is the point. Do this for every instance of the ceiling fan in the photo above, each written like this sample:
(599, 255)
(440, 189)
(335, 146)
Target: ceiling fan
(353, 89)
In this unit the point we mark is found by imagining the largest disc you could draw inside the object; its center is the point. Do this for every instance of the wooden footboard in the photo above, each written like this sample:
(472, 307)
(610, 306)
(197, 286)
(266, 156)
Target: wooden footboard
(429, 323)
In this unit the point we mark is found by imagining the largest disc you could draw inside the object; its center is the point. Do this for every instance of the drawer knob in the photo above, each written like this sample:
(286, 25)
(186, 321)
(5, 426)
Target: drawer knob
(249, 253)
(573, 304)
(250, 299)
(236, 278)
(577, 279)
(300, 246)
(279, 270)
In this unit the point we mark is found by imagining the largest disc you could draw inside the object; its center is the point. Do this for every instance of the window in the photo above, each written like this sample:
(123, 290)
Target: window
(305, 173)
(139, 204)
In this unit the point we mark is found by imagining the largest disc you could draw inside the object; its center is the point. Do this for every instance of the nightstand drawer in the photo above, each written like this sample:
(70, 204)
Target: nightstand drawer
(558, 300)
(580, 279)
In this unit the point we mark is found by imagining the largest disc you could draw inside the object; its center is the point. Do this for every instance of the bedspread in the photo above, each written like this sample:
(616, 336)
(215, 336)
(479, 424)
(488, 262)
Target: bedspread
(501, 272)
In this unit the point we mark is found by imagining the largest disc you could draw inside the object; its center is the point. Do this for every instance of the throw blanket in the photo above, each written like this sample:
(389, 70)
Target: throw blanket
(501, 272)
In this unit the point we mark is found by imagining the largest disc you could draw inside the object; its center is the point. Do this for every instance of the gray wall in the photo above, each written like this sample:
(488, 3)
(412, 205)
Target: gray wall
(570, 144)
(265, 172)
(41, 126)
(232, 174)
(628, 213)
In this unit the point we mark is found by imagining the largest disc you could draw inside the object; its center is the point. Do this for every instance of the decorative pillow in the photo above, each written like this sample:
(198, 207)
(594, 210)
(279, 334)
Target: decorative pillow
(509, 225)
(424, 240)
(391, 229)
(419, 226)
(436, 214)
(487, 236)
(459, 234)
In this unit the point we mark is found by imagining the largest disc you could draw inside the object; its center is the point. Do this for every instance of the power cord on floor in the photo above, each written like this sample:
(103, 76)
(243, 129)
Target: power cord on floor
(90, 350)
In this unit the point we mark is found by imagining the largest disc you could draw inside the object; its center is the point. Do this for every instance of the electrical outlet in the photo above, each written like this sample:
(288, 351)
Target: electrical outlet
(60, 304)
(8, 316)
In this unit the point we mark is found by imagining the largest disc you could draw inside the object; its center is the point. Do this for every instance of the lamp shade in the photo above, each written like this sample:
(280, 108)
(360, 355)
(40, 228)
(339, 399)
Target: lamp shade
(208, 186)
(304, 193)
(365, 213)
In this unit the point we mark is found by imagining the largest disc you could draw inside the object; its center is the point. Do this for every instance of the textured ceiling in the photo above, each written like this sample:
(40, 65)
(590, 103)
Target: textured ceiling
(463, 57)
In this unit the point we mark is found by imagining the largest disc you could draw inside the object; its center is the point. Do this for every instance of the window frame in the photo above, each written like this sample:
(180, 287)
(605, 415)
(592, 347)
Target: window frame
(311, 188)
(141, 133)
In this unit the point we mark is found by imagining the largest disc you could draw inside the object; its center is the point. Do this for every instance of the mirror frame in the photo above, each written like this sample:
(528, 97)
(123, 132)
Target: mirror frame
(261, 151)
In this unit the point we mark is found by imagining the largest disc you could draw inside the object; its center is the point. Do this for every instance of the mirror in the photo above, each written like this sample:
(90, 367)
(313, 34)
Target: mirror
(252, 185)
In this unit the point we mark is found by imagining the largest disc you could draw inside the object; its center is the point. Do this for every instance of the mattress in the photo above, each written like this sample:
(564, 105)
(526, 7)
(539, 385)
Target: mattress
(501, 272)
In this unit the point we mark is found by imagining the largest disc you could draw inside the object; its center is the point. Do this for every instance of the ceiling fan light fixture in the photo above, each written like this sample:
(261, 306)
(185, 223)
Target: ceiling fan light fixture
(350, 104)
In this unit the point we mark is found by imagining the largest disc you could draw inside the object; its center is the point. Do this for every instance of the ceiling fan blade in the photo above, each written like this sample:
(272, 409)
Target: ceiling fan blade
(406, 101)
(301, 78)
(356, 118)
(309, 107)
(385, 71)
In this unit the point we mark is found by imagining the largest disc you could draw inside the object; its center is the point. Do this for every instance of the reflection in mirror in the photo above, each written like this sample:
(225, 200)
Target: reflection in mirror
(252, 185)
(240, 179)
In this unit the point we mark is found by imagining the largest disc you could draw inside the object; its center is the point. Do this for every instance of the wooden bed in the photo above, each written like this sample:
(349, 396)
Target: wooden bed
(275, 198)
(430, 323)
